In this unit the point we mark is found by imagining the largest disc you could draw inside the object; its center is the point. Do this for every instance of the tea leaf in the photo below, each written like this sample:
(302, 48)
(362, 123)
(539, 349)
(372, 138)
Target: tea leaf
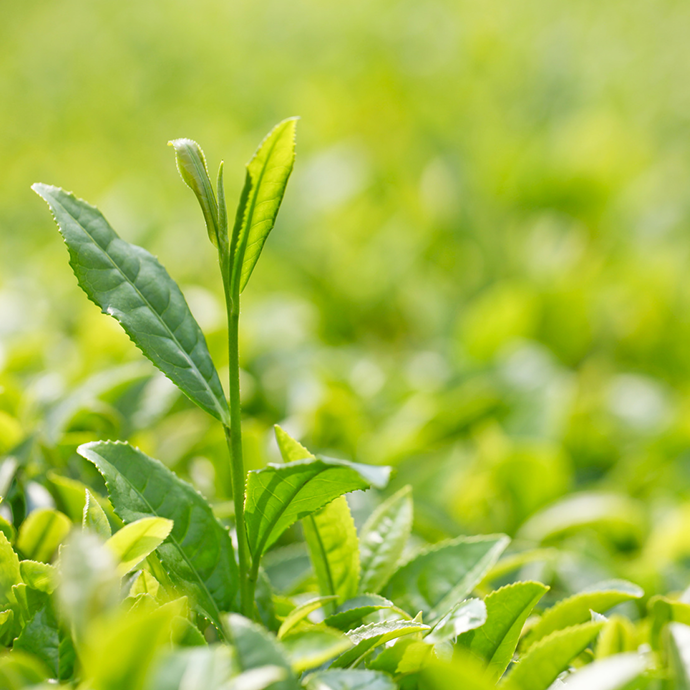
(279, 495)
(41, 533)
(135, 541)
(367, 637)
(311, 647)
(354, 610)
(332, 540)
(191, 164)
(299, 613)
(198, 555)
(576, 609)
(507, 610)
(383, 539)
(466, 616)
(255, 647)
(678, 646)
(441, 576)
(267, 176)
(10, 574)
(550, 656)
(94, 517)
(349, 680)
(40, 576)
(130, 284)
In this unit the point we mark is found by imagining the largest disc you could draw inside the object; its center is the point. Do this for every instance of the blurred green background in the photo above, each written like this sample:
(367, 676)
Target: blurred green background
(479, 274)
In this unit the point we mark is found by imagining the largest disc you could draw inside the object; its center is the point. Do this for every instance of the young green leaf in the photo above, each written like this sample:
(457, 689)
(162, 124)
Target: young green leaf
(576, 609)
(41, 533)
(332, 540)
(255, 647)
(279, 495)
(135, 541)
(20, 670)
(367, 637)
(612, 673)
(200, 668)
(299, 613)
(130, 284)
(198, 555)
(349, 680)
(312, 646)
(94, 517)
(550, 656)
(441, 576)
(618, 635)
(463, 671)
(40, 576)
(466, 616)
(10, 574)
(267, 176)
(351, 613)
(191, 164)
(289, 448)
(383, 539)
(507, 610)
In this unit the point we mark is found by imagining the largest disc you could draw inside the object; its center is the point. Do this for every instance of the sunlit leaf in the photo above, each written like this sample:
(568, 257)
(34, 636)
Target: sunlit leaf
(198, 556)
(267, 176)
(332, 540)
(94, 517)
(441, 576)
(41, 533)
(312, 646)
(279, 495)
(464, 617)
(350, 613)
(507, 610)
(130, 284)
(299, 613)
(613, 673)
(349, 680)
(383, 539)
(135, 541)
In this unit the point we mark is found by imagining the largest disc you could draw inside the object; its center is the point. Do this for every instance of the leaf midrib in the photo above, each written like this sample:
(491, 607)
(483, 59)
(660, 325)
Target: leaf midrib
(172, 336)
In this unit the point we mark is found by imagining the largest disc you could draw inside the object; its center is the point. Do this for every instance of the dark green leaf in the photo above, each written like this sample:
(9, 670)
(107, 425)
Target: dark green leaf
(198, 555)
(507, 610)
(383, 539)
(441, 576)
(279, 495)
(128, 283)
(267, 176)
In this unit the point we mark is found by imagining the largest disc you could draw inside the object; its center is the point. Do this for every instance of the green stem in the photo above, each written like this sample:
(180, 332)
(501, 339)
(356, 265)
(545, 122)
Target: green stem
(233, 436)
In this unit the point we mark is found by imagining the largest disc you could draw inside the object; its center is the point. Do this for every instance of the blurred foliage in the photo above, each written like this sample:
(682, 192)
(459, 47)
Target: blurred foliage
(478, 275)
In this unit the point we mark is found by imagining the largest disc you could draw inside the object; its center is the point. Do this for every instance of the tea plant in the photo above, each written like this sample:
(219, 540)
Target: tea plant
(143, 589)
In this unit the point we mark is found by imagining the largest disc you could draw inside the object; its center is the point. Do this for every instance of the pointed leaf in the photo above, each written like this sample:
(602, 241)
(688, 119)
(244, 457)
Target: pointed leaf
(279, 495)
(255, 647)
(383, 539)
(367, 637)
(551, 656)
(191, 164)
(441, 576)
(267, 176)
(332, 540)
(507, 610)
(135, 541)
(130, 284)
(576, 609)
(289, 448)
(198, 555)
(313, 646)
(349, 680)
(299, 613)
(94, 517)
(351, 613)
(10, 574)
(467, 615)
(41, 533)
